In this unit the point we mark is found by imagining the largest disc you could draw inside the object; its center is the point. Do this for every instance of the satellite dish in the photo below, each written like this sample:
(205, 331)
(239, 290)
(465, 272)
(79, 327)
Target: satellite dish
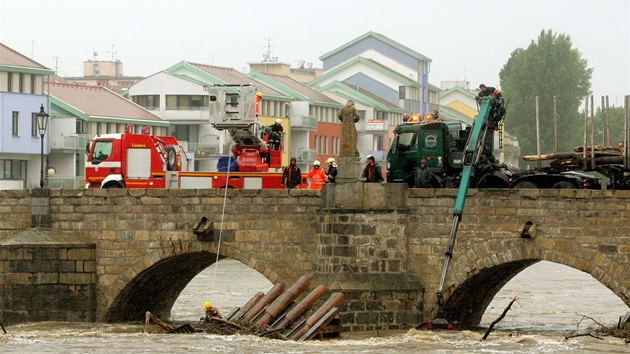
(95, 53)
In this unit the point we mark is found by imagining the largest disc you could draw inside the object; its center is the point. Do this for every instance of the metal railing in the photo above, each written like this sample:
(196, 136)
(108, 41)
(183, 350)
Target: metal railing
(306, 154)
(70, 142)
(65, 182)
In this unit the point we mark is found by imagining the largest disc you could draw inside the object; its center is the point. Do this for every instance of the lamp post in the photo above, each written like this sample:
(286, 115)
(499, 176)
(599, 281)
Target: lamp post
(42, 121)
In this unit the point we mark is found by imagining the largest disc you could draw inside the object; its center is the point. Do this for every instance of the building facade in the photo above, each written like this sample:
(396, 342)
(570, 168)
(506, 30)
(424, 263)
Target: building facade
(21, 97)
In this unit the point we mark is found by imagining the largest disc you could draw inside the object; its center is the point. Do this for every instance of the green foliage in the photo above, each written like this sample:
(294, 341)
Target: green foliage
(547, 68)
(616, 121)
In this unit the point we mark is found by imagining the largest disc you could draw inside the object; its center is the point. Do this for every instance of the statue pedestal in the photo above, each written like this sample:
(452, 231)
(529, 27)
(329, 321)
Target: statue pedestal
(348, 170)
(351, 194)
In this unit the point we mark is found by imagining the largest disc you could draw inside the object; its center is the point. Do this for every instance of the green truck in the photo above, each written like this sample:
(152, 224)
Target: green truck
(443, 144)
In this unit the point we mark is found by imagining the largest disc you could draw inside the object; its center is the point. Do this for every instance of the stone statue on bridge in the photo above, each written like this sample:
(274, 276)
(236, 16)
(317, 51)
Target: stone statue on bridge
(348, 115)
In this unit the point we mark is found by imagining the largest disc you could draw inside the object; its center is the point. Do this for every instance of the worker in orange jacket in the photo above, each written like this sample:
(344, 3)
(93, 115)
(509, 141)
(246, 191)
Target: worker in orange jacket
(317, 176)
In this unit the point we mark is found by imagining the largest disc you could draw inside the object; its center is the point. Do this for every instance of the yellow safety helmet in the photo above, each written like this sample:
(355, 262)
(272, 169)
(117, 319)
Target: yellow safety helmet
(208, 304)
(330, 160)
(316, 163)
(279, 121)
(259, 94)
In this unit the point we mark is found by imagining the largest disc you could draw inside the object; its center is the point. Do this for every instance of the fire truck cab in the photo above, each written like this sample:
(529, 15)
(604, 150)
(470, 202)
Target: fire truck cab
(131, 160)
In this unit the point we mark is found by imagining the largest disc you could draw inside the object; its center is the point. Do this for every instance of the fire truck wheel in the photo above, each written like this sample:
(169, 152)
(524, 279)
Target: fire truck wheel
(112, 185)
(171, 158)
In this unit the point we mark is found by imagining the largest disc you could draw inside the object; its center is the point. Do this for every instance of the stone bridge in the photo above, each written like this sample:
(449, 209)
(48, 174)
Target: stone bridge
(111, 255)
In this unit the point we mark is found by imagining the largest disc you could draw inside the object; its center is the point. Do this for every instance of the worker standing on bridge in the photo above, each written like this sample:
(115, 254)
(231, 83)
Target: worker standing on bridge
(210, 311)
(276, 135)
(291, 176)
(332, 170)
(317, 176)
(424, 177)
(372, 171)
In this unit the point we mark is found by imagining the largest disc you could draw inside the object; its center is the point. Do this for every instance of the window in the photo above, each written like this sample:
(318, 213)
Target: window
(401, 92)
(32, 83)
(316, 140)
(326, 145)
(102, 150)
(406, 142)
(21, 83)
(34, 130)
(13, 169)
(148, 102)
(15, 126)
(80, 125)
(192, 102)
(9, 81)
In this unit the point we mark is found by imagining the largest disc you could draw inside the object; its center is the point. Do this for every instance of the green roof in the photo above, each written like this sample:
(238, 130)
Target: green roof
(458, 89)
(383, 39)
(347, 92)
(372, 64)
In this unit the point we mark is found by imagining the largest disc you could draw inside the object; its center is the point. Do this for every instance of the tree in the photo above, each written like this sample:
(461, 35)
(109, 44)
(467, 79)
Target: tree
(549, 67)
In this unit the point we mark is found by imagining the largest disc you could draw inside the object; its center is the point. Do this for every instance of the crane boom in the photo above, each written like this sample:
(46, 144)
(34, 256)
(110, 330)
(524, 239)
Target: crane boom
(490, 114)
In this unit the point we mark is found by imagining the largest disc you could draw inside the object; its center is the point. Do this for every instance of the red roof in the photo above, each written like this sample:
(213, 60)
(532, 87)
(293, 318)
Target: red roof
(10, 57)
(100, 102)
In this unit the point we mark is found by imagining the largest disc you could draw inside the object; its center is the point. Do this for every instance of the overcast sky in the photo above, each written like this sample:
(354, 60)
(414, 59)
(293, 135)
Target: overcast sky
(467, 40)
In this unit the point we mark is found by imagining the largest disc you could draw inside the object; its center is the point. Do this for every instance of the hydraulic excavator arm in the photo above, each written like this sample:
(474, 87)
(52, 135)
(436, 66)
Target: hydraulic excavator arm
(490, 114)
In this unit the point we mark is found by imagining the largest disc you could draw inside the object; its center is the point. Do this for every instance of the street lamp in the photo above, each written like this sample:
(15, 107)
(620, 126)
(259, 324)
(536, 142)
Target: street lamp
(42, 121)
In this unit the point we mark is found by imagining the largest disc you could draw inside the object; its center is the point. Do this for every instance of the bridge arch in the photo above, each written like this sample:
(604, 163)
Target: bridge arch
(478, 275)
(154, 284)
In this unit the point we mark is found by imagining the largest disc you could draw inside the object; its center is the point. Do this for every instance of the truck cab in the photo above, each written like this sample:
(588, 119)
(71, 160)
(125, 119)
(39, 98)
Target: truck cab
(435, 142)
(131, 160)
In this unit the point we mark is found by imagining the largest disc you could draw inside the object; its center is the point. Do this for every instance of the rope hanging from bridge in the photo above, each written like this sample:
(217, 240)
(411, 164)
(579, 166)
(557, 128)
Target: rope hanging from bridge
(227, 178)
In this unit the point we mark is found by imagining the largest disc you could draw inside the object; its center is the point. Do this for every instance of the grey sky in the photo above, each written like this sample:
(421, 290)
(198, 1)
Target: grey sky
(467, 40)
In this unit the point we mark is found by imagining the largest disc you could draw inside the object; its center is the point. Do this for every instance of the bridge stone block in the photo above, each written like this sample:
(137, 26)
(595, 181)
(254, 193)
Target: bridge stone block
(43, 277)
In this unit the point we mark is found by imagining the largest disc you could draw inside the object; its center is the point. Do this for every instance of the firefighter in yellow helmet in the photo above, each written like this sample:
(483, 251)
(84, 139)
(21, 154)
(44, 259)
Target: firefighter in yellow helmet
(210, 311)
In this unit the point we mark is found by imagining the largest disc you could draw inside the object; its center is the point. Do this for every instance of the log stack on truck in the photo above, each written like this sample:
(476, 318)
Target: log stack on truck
(131, 160)
(442, 144)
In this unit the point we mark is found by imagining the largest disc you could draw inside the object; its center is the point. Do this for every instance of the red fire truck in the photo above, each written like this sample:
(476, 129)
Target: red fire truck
(143, 160)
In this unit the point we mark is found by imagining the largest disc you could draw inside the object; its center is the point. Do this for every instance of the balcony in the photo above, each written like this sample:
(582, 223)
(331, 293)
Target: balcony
(65, 182)
(306, 155)
(304, 123)
(69, 143)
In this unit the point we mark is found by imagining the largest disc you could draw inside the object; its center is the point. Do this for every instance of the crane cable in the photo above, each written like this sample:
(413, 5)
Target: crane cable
(227, 178)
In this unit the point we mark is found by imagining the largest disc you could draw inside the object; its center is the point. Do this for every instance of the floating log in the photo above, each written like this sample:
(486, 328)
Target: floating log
(157, 321)
(334, 300)
(265, 301)
(329, 316)
(248, 306)
(287, 319)
(284, 300)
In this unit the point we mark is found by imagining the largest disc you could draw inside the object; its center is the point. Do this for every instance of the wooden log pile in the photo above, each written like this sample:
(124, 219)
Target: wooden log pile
(266, 315)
